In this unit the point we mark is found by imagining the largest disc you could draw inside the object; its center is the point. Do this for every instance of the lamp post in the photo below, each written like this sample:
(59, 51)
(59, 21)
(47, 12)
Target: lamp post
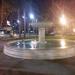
(32, 18)
(8, 23)
(63, 22)
(19, 22)
(24, 17)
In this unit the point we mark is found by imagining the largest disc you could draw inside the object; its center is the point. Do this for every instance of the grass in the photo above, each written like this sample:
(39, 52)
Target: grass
(69, 37)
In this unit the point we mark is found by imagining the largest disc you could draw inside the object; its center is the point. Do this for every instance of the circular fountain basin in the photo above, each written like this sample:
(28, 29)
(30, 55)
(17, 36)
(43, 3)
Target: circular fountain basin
(32, 49)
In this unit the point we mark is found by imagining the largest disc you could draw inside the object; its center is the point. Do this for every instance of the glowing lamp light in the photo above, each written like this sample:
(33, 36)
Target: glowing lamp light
(15, 35)
(74, 30)
(63, 20)
(18, 21)
(8, 23)
(23, 17)
(31, 16)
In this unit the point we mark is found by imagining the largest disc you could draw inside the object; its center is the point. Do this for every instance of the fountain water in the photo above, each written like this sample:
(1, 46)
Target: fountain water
(41, 49)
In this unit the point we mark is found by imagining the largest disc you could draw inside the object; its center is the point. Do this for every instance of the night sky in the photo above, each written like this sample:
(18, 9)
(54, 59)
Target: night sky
(46, 9)
(38, 7)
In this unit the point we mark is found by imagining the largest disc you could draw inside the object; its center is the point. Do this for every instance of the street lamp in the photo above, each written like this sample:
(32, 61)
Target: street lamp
(32, 19)
(18, 21)
(63, 21)
(74, 30)
(19, 24)
(24, 17)
(31, 16)
(8, 23)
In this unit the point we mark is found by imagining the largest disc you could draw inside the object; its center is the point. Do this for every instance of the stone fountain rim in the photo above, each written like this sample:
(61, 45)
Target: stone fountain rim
(40, 54)
(8, 44)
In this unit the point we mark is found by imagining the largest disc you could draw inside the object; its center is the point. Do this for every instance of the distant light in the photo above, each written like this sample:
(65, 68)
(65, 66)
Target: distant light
(31, 31)
(18, 21)
(8, 23)
(23, 17)
(74, 30)
(15, 35)
(63, 20)
(31, 16)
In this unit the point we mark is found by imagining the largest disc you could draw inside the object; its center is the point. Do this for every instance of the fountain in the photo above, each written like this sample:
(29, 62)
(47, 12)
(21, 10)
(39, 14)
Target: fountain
(41, 48)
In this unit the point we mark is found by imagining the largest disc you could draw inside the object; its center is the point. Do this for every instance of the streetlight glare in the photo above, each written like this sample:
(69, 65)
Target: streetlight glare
(63, 20)
(23, 17)
(18, 21)
(8, 23)
(74, 30)
(31, 16)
